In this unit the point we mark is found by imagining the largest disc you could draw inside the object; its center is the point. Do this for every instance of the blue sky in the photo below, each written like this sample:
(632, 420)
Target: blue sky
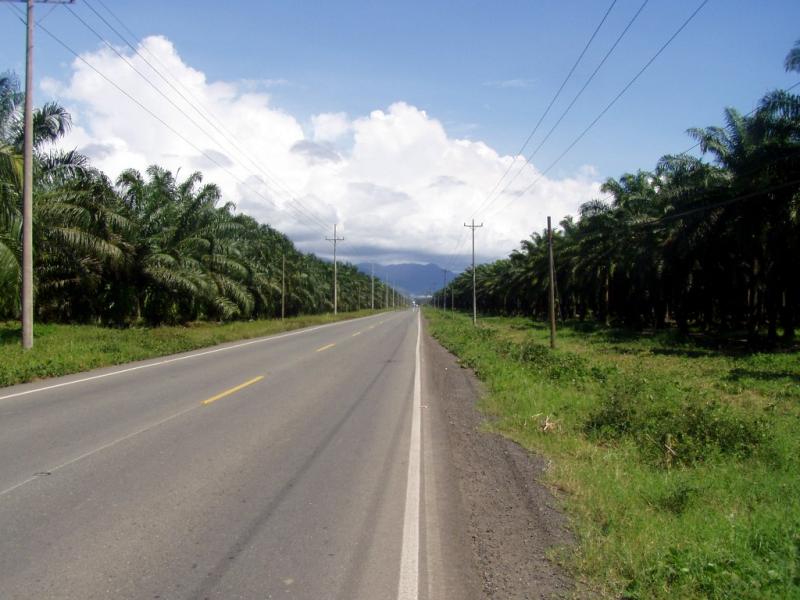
(445, 57)
(485, 70)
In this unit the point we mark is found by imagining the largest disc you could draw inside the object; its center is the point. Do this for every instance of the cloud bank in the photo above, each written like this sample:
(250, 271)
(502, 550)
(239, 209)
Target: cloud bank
(396, 183)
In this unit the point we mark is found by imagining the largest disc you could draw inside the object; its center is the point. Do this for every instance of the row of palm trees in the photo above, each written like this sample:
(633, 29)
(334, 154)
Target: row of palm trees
(695, 243)
(147, 248)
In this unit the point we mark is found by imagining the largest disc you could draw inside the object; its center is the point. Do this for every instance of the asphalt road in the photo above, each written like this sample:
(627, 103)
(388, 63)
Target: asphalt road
(284, 467)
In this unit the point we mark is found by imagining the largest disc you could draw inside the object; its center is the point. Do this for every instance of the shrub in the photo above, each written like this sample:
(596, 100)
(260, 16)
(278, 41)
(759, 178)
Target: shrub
(675, 433)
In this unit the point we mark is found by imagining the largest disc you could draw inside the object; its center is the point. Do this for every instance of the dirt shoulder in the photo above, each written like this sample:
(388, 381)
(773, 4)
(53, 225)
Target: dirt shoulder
(505, 519)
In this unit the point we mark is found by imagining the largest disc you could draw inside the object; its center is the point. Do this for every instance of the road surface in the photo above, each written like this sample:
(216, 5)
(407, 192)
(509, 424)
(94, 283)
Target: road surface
(293, 466)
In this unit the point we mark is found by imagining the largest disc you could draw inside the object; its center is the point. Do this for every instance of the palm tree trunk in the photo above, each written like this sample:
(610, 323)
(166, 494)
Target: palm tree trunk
(790, 301)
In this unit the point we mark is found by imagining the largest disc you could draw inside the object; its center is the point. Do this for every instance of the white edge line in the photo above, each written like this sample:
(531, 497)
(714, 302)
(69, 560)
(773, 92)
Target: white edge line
(180, 358)
(408, 586)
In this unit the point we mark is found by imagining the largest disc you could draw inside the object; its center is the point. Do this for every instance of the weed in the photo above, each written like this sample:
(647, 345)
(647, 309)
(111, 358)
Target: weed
(64, 349)
(678, 456)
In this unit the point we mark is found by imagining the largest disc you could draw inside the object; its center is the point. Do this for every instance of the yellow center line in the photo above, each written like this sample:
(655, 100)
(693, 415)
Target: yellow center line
(233, 390)
(325, 347)
(356, 333)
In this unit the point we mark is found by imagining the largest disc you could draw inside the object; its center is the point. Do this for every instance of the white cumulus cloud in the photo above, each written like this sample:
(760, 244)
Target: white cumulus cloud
(396, 183)
(329, 127)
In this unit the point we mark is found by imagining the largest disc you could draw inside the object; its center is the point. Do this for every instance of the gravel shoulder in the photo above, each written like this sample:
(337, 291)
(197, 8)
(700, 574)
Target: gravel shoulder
(484, 492)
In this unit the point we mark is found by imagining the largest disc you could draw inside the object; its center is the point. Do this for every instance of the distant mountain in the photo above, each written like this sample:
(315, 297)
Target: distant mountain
(413, 278)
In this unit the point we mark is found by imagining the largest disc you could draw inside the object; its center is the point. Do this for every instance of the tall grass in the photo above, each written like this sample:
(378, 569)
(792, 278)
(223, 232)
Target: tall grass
(64, 349)
(679, 463)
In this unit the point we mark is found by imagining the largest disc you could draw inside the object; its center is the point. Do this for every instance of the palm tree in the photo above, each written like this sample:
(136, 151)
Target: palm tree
(67, 235)
(792, 62)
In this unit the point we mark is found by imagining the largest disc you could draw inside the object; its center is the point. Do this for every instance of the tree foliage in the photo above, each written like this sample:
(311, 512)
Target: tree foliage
(147, 247)
(710, 244)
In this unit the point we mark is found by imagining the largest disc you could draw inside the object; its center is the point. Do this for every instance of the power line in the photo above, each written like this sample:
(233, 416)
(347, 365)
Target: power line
(694, 146)
(541, 119)
(698, 144)
(574, 100)
(26, 271)
(552, 101)
(172, 102)
(207, 115)
(152, 114)
(610, 104)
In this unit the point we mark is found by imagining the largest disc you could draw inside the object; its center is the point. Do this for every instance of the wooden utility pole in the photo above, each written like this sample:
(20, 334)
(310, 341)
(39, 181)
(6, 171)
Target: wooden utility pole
(372, 281)
(335, 239)
(552, 291)
(283, 287)
(474, 294)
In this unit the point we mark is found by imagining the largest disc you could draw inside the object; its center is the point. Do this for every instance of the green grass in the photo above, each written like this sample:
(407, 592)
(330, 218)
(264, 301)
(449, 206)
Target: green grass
(64, 349)
(679, 463)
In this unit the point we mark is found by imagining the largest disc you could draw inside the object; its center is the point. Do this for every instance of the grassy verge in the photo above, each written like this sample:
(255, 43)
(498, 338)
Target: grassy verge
(64, 349)
(680, 464)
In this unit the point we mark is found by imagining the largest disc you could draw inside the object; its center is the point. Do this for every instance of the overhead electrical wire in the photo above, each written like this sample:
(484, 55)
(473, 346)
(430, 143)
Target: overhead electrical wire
(552, 100)
(572, 103)
(204, 113)
(697, 144)
(608, 106)
(147, 110)
(539, 122)
(299, 215)
(168, 99)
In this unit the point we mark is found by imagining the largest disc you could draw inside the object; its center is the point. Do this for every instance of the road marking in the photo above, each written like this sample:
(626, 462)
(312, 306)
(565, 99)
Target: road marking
(179, 358)
(325, 347)
(356, 333)
(233, 390)
(408, 587)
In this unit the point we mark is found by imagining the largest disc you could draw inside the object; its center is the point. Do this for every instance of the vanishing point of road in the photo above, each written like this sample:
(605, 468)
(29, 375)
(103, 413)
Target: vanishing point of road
(291, 466)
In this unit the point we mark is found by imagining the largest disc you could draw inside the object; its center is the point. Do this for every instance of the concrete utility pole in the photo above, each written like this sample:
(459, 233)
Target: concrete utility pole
(474, 295)
(335, 239)
(372, 280)
(283, 287)
(27, 178)
(444, 289)
(552, 292)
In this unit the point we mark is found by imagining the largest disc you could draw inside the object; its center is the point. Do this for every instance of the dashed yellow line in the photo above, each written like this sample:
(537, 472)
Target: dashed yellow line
(325, 347)
(233, 390)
